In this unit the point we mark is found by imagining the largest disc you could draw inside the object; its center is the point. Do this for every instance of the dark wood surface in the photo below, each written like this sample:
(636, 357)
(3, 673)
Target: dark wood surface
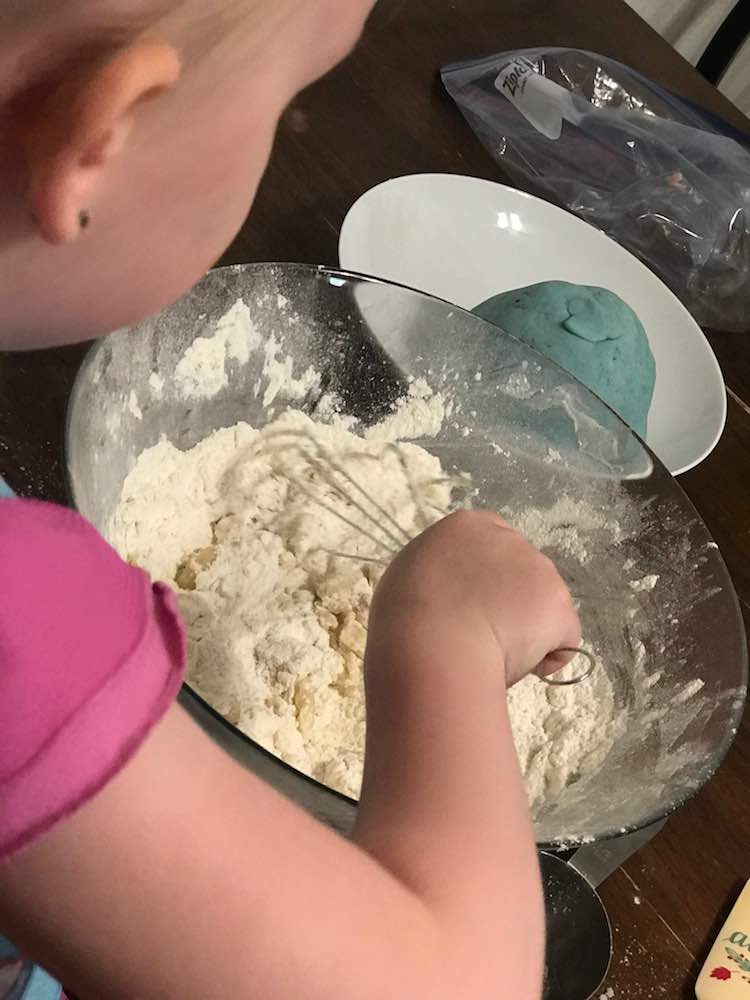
(381, 114)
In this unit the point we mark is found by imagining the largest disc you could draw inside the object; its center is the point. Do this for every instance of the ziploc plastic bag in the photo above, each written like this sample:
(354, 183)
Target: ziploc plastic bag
(664, 178)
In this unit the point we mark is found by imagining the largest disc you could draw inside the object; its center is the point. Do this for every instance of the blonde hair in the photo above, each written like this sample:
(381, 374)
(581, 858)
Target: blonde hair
(45, 37)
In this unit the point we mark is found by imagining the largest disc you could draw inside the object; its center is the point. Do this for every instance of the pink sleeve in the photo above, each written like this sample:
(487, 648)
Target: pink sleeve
(91, 657)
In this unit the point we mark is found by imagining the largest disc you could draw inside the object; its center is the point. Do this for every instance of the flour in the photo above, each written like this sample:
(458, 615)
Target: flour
(560, 732)
(133, 406)
(279, 374)
(156, 384)
(275, 588)
(421, 417)
(201, 372)
(564, 526)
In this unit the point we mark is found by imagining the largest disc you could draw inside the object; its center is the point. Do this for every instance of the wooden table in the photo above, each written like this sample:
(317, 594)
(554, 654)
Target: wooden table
(381, 114)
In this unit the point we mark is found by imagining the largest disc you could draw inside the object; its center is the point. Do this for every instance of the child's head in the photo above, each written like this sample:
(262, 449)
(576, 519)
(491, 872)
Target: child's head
(134, 135)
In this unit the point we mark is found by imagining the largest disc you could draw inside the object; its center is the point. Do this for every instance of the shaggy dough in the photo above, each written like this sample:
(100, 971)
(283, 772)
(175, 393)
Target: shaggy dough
(275, 587)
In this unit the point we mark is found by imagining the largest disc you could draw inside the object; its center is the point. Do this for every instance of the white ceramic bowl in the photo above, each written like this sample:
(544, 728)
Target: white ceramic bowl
(464, 239)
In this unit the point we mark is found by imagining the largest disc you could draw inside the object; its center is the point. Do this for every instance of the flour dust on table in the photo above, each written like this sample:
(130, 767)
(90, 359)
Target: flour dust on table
(275, 572)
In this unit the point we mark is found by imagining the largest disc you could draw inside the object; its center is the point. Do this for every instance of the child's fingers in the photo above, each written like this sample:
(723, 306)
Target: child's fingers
(554, 662)
(560, 657)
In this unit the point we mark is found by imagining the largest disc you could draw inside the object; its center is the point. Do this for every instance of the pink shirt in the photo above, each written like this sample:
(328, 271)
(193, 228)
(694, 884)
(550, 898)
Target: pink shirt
(91, 657)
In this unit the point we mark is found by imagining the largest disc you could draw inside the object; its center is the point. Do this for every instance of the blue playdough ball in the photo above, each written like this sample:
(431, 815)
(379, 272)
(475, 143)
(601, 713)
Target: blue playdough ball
(588, 331)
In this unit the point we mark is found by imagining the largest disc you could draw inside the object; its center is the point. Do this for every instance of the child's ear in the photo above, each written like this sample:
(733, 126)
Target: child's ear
(72, 134)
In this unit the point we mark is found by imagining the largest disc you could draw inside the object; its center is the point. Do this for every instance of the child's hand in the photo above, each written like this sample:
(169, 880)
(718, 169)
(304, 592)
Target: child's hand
(470, 575)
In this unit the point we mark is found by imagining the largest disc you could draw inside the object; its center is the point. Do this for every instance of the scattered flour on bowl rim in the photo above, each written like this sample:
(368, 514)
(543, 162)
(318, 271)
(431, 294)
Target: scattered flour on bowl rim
(276, 622)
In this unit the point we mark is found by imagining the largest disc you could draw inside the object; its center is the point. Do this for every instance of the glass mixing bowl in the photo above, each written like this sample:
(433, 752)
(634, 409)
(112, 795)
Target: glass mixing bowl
(528, 434)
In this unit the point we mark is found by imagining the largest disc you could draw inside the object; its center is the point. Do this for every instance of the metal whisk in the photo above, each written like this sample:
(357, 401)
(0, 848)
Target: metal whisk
(375, 522)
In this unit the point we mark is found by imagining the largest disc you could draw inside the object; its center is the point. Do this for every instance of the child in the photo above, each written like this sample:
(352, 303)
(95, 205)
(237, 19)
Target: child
(138, 861)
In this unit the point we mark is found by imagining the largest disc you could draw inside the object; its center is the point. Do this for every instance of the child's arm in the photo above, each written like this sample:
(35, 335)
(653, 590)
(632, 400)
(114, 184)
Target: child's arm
(187, 877)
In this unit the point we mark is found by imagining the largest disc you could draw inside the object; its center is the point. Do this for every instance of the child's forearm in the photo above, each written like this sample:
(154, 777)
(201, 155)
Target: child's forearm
(175, 873)
(443, 803)
(188, 878)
